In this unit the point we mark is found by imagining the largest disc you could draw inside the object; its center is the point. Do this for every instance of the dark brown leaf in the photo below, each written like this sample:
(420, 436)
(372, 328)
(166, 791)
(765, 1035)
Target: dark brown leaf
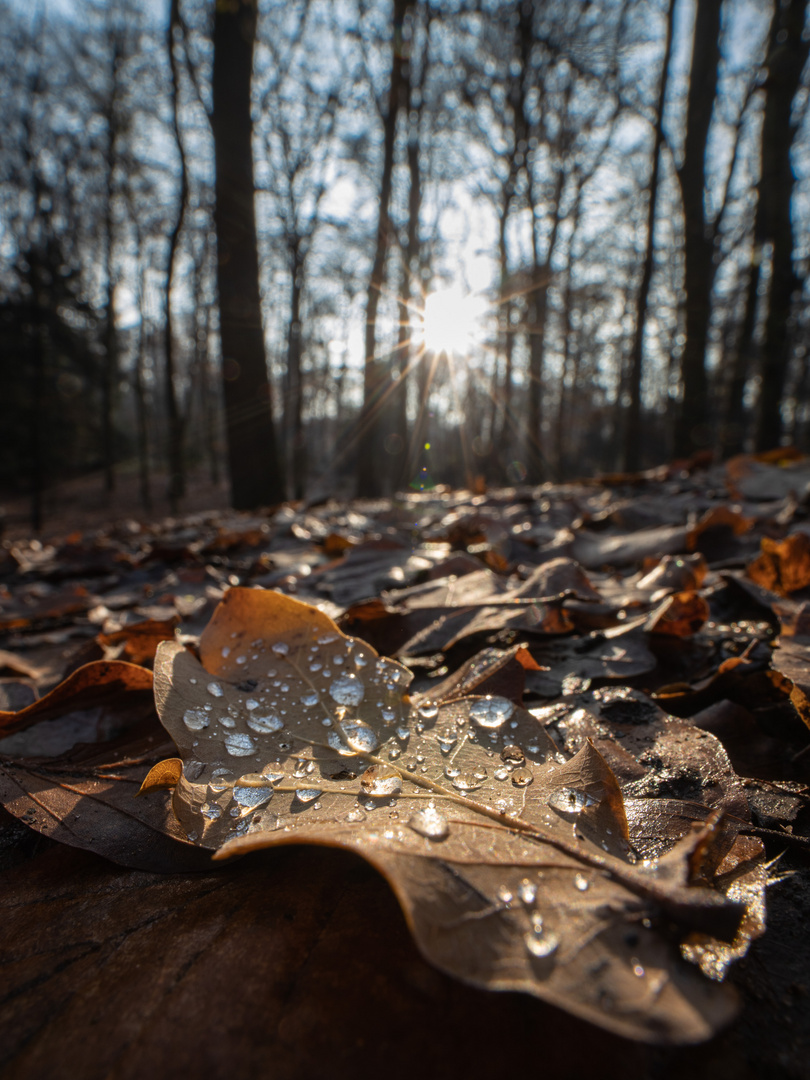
(94, 684)
(505, 870)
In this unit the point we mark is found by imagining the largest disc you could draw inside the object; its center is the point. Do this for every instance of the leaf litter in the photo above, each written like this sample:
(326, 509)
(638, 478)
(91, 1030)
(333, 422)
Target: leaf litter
(693, 630)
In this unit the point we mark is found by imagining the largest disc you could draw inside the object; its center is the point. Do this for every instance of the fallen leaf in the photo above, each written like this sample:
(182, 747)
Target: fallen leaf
(510, 863)
(140, 640)
(681, 615)
(784, 565)
(86, 799)
(88, 686)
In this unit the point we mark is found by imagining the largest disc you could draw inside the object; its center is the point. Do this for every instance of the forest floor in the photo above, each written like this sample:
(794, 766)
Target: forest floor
(127, 954)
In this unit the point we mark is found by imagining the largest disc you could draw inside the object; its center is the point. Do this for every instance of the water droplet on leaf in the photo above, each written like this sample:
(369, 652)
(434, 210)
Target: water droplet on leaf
(381, 780)
(570, 801)
(265, 724)
(238, 744)
(347, 690)
(522, 778)
(359, 736)
(513, 754)
(307, 795)
(469, 780)
(491, 711)
(430, 823)
(196, 719)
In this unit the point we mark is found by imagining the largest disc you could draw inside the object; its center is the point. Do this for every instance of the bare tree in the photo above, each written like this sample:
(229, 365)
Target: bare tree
(253, 462)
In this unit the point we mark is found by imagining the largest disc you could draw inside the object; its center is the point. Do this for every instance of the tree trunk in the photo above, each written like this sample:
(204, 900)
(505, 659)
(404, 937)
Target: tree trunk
(691, 427)
(140, 392)
(176, 426)
(787, 55)
(253, 464)
(632, 431)
(375, 381)
(296, 443)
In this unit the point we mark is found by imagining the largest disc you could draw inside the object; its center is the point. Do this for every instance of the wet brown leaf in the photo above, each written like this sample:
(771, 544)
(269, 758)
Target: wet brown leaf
(139, 641)
(510, 862)
(94, 684)
(86, 799)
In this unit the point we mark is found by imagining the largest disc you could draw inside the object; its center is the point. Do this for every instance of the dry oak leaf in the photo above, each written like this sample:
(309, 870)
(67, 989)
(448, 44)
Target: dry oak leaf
(510, 862)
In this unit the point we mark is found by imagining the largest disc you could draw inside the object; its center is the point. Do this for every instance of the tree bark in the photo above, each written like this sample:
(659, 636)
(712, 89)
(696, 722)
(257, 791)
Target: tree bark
(691, 427)
(176, 424)
(787, 56)
(375, 381)
(295, 434)
(632, 431)
(253, 463)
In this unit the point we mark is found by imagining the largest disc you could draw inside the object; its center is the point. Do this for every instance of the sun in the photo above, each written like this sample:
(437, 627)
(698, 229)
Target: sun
(451, 321)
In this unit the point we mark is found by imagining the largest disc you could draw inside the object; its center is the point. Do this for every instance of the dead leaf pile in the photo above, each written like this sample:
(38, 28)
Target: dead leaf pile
(568, 726)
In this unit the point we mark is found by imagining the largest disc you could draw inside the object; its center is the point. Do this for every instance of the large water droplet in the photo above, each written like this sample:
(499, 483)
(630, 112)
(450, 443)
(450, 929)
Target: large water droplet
(522, 778)
(238, 744)
(381, 780)
(581, 883)
(274, 772)
(196, 719)
(356, 815)
(265, 724)
(428, 710)
(211, 811)
(469, 780)
(513, 755)
(570, 801)
(214, 689)
(359, 736)
(310, 697)
(281, 648)
(491, 711)
(347, 690)
(430, 823)
(307, 795)
(252, 790)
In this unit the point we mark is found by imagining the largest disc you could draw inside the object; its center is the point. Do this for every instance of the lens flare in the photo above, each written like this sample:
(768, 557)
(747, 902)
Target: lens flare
(451, 321)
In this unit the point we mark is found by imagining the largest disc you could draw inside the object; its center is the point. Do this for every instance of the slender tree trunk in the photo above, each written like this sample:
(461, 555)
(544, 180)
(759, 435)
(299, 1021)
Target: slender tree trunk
(110, 333)
(632, 433)
(296, 442)
(692, 424)
(787, 56)
(733, 429)
(140, 398)
(176, 425)
(503, 395)
(561, 455)
(253, 463)
(375, 381)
